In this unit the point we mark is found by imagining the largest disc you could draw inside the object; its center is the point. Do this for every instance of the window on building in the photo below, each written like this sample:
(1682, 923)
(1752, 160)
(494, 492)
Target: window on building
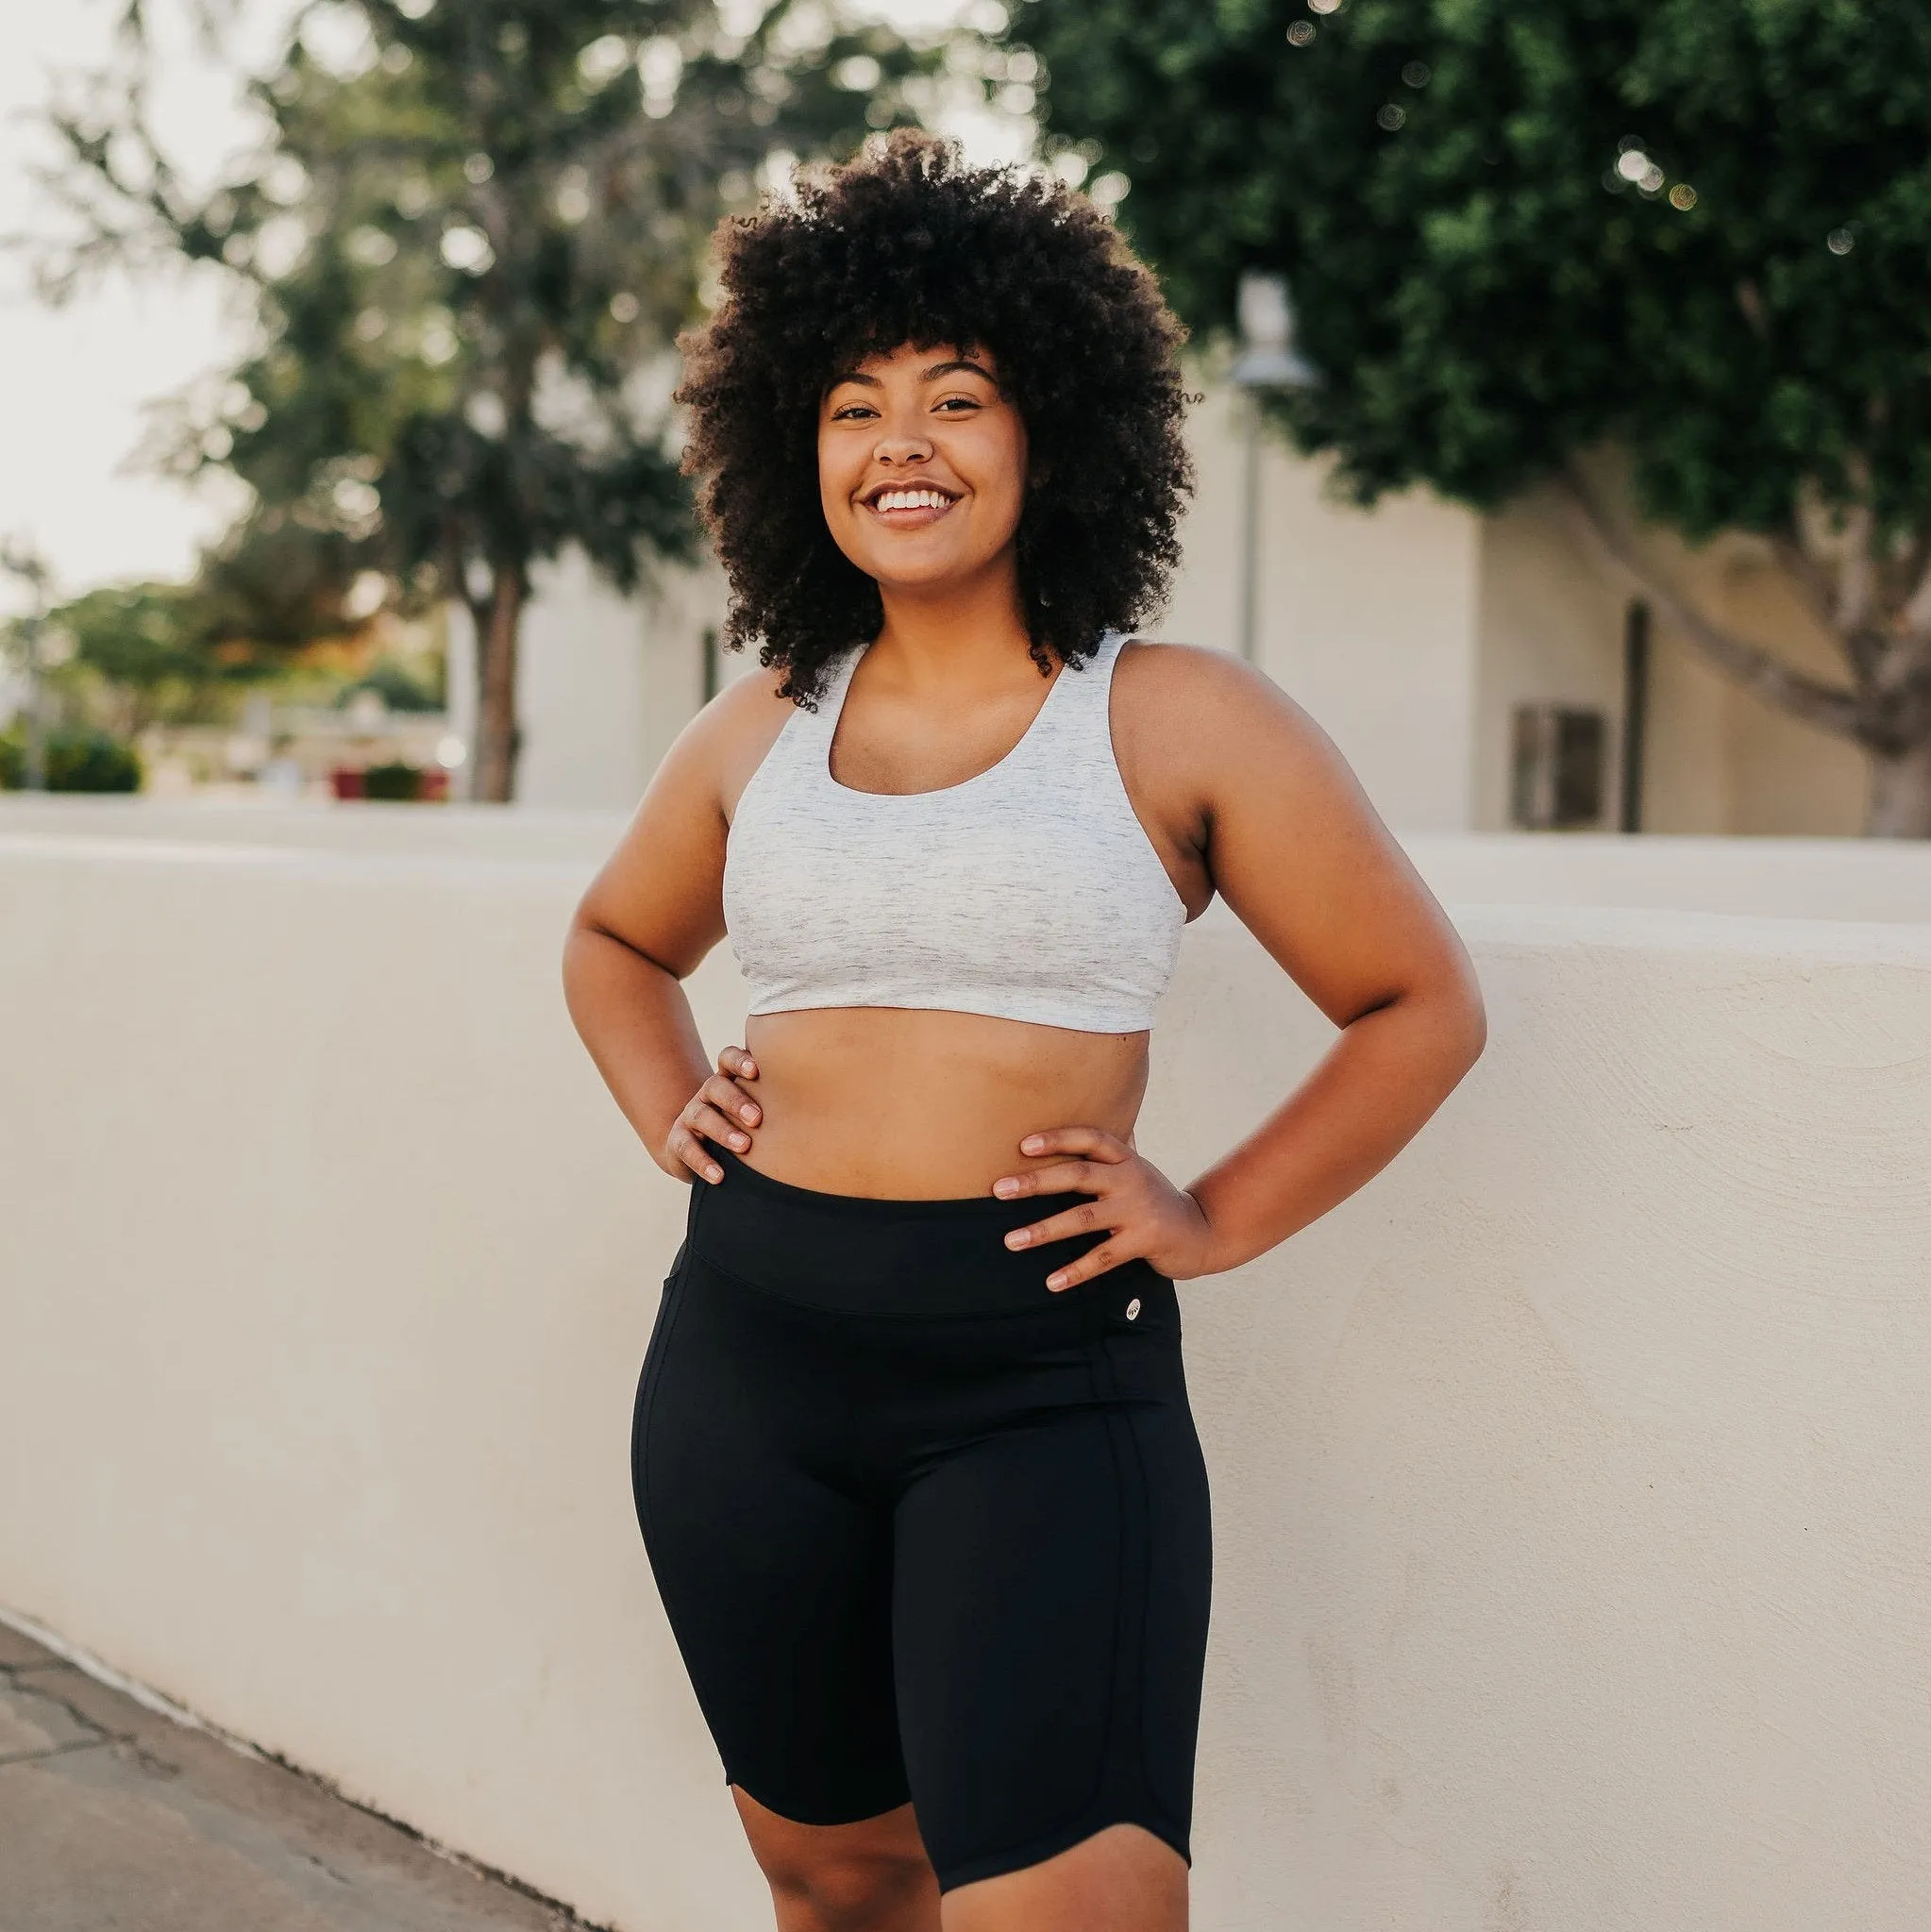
(1559, 759)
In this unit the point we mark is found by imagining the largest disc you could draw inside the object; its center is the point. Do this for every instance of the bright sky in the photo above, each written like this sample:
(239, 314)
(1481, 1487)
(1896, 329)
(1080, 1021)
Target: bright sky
(72, 382)
(75, 382)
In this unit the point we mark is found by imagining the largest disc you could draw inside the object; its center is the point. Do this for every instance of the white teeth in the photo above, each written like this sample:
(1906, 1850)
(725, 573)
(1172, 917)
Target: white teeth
(910, 499)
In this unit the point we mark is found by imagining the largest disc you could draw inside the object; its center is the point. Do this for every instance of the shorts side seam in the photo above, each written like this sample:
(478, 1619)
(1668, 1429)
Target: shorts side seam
(1135, 1602)
(1095, 1360)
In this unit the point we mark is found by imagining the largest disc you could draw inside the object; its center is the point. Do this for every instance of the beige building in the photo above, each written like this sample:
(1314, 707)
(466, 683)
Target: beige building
(1475, 670)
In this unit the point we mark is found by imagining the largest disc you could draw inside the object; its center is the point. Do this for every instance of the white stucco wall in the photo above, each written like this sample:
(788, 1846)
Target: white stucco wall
(1572, 1483)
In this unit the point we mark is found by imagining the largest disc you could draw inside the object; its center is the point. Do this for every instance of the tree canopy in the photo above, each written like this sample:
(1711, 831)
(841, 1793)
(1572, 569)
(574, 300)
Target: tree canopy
(1690, 229)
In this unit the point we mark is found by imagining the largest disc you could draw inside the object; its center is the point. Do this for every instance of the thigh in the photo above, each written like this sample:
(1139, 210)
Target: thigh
(1121, 1878)
(1050, 1595)
(776, 1582)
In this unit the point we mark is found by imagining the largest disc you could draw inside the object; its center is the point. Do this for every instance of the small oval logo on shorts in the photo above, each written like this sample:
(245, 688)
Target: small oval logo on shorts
(1133, 1308)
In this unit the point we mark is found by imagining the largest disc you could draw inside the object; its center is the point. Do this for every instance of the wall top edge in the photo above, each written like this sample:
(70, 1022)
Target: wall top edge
(1492, 925)
(1485, 924)
(1638, 846)
(1533, 927)
(72, 851)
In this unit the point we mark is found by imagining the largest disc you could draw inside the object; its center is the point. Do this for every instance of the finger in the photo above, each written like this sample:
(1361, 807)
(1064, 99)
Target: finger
(686, 1146)
(1094, 1142)
(729, 1098)
(1095, 1261)
(737, 1061)
(1063, 1177)
(1085, 1219)
(708, 1122)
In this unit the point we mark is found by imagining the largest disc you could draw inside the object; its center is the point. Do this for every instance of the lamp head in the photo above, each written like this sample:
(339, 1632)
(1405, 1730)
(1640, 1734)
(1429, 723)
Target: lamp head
(1268, 358)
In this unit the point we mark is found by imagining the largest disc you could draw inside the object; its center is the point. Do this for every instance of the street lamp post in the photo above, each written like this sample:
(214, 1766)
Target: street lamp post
(1268, 360)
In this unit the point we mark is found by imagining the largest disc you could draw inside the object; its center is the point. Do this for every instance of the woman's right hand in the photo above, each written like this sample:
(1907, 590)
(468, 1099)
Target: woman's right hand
(722, 1111)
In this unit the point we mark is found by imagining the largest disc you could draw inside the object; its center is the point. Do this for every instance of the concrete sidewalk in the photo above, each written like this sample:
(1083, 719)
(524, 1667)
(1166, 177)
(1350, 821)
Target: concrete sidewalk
(115, 1820)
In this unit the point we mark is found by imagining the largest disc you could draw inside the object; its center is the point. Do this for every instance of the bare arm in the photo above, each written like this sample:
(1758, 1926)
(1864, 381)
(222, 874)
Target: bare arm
(1280, 827)
(647, 920)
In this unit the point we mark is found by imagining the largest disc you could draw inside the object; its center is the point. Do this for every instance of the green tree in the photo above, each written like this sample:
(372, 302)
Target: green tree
(470, 236)
(149, 645)
(1691, 231)
(127, 656)
(147, 654)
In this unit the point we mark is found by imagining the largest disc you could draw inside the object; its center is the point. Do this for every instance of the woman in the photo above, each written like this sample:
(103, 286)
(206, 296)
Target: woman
(912, 1454)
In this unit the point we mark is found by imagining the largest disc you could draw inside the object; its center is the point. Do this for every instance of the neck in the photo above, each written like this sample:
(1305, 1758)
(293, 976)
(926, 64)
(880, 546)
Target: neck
(958, 631)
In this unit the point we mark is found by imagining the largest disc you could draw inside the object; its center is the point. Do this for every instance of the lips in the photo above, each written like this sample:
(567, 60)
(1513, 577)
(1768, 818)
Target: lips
(909, 505)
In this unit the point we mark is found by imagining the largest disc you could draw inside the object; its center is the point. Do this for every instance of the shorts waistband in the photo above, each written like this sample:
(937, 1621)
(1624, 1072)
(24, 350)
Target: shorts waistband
(862, 1255)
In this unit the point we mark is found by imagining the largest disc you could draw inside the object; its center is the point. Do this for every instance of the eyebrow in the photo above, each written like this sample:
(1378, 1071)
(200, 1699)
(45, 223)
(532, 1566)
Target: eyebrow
(930, 374)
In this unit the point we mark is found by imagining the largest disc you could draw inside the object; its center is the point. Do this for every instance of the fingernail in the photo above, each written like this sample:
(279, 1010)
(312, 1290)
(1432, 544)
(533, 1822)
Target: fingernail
(748, 1112)
(713, 1173)
(1055, 1282)
(1032, 1143)
(1017, 1238)
(740, 1140)
(1003, 1189)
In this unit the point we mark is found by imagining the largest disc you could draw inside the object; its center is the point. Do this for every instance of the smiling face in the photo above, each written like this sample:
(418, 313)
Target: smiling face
(922, 467)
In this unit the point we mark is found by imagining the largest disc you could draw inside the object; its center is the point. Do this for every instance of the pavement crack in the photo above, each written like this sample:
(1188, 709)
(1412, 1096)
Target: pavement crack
(52, 1751)
(327, 1869)
(100, 1734)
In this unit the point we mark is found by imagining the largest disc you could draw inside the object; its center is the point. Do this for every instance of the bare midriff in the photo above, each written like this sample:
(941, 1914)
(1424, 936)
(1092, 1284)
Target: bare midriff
(903, 1104)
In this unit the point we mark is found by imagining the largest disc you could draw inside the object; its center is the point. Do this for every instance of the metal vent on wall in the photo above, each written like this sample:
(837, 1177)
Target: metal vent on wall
(1559, 761)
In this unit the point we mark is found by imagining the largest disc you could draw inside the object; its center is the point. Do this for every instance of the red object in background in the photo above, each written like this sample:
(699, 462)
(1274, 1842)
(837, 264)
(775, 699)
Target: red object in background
(435, 785)
(344, 783)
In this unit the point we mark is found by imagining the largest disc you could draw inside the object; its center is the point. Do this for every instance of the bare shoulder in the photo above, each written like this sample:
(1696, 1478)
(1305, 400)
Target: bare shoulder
(1189, 710)
(719, 749)
(1154, 677)
(660, 892)
(745, 710)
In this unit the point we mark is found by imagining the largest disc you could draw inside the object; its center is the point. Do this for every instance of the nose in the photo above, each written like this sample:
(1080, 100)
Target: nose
(899, 449)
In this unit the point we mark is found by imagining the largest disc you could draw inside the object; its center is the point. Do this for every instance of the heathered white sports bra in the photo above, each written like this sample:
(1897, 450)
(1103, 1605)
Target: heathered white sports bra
(1028, 892)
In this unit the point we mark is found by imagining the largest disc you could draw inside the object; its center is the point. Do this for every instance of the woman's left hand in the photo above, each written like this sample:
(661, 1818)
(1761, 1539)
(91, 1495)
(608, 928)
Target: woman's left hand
(1146, 1216)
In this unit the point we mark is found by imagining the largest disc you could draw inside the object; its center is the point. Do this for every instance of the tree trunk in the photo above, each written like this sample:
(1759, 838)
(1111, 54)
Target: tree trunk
(1899, 804)
(495, 713)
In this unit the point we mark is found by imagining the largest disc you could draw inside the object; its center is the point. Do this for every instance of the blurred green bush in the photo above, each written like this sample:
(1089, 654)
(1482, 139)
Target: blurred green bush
(79, 759)
(397, 781)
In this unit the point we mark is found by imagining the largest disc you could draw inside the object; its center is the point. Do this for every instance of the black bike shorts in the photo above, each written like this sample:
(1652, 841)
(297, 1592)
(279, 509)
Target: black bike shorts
(924, 1529)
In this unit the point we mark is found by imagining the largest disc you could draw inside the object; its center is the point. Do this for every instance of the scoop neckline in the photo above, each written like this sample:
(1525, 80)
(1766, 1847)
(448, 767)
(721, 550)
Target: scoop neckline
(1004, 759)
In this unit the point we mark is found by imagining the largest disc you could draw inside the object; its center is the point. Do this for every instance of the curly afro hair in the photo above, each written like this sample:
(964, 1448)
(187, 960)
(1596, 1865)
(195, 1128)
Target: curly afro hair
(908, 244)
